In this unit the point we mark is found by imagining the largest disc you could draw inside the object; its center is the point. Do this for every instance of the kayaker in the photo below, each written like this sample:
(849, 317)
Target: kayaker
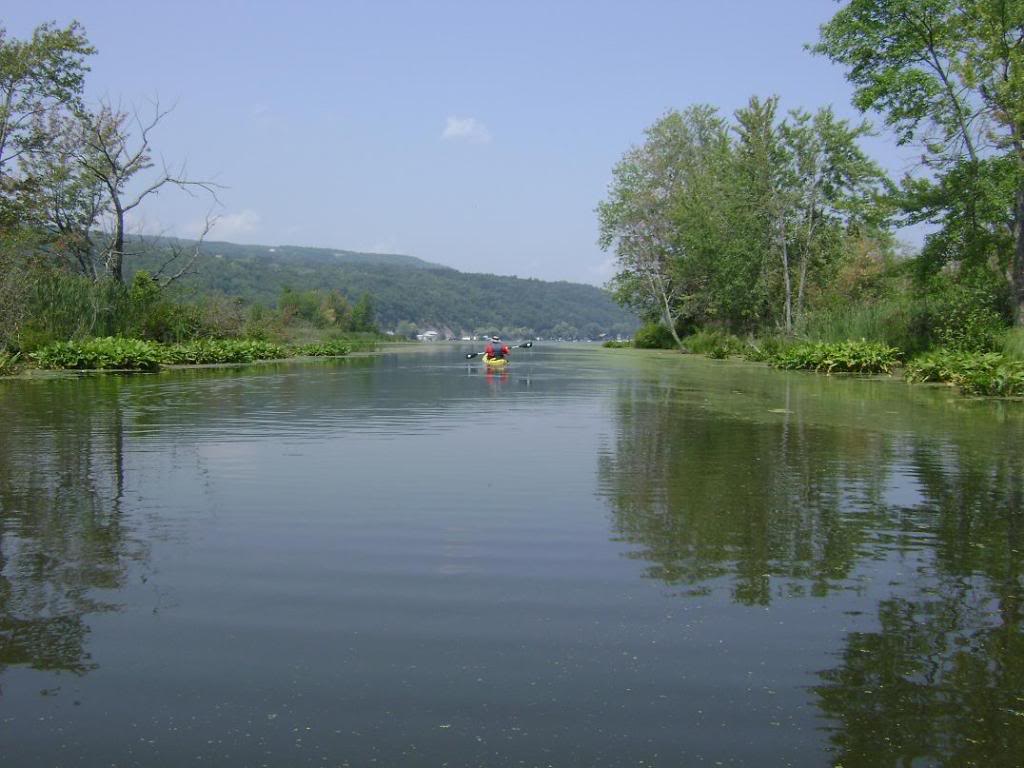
(495, 349)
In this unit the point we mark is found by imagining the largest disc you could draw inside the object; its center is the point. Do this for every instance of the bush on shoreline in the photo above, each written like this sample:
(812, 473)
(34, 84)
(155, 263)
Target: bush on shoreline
(842, 357)
(116, 353)
(207, 351)
(108, 353)
(976, 373)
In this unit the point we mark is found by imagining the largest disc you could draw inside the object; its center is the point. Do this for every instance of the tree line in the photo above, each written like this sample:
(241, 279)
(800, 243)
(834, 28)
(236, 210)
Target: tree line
(764, 222)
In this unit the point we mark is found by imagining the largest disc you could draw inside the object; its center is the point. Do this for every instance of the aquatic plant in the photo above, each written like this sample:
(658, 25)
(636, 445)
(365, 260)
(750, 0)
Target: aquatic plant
(208, 351)
(329, 348)
(978, 373)
(110, 352)
(847, 357)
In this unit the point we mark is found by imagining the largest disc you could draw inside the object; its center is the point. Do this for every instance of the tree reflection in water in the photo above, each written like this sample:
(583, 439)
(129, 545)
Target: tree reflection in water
(61, 536)
(781, 508)
(942, 678)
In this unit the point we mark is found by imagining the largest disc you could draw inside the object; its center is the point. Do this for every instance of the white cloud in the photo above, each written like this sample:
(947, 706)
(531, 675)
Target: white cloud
(466, 129)
(233, 224)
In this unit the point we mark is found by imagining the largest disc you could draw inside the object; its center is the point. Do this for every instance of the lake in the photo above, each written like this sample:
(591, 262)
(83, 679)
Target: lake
(596, 558)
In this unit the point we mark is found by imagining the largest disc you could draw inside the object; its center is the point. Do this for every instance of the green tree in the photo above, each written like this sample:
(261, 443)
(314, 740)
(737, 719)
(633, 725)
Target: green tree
(949, 75)
(363, 314)
(806, 181)
(36, 76)
(656, 218)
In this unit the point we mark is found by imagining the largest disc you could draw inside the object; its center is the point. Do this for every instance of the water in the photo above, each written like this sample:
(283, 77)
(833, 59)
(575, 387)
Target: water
(600, 558)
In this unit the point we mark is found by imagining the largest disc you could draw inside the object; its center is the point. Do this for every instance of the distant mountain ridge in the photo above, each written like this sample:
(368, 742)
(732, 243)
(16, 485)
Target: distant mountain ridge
(307, 253)
(404, 288)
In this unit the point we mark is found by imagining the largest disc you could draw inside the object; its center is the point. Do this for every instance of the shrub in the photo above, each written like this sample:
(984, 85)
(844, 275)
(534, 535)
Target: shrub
(714, 343)
(902, 323)
(764, 350)
(1013, 344)
(980, 373)
(613, 344)
(966, 315)
(100, 354)
(654, 336)
(208, 351)
(330, 348)
(848, 357)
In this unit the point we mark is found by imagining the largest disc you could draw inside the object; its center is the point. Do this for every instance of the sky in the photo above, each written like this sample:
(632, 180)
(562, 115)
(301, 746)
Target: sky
(478, 134)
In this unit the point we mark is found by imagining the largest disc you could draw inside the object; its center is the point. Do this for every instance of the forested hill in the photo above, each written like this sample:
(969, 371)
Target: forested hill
(404, 289)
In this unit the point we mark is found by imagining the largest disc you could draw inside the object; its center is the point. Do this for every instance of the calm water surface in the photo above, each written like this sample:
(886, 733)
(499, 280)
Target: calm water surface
(602, 558)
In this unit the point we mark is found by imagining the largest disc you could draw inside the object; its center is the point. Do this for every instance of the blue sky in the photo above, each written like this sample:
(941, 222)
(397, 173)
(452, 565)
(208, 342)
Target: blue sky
(480, 135)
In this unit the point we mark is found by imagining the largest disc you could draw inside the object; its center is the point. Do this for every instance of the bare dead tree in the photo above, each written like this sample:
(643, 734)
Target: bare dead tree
(113, 157)
(180, 259)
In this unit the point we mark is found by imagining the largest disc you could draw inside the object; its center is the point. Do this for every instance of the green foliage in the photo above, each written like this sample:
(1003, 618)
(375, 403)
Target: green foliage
(100, 354)
(964, 316)
(944, 76)
(613, 344)
(654, 336)
(58, 306)
(848, 357)
(767, 348)
(737, 224)
(330, 348)
(899, 322)
(1013, 344)
(714, 343)
(8, 362)
(980, 373)
(207, 351)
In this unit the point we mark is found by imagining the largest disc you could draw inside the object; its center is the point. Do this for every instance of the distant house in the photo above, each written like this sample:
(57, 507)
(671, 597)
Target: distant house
(427, 336)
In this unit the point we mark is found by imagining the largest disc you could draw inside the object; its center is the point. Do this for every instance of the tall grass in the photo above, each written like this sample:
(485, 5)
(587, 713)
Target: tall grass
(896, 323)
(1013, 344)
(8, 363)
(62, 307)
(714, 343)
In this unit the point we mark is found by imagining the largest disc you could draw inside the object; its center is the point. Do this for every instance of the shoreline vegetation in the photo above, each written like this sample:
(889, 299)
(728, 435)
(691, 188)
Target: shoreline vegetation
(117, 354)
(989, 374)
(775, 224)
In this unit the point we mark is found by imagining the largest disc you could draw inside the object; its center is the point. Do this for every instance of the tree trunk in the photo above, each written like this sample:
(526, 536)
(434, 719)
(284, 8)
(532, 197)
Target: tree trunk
(786, 282)
(658, 288)
(1017, 269)
(670, 322)
(115, 256)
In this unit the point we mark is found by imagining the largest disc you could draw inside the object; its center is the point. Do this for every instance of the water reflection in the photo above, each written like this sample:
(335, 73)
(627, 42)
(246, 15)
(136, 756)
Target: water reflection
(705, 497)
(789, 506)
(62, 542)
(942, 677)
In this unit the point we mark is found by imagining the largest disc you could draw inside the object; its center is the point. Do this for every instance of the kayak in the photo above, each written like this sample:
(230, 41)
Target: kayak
(494, 362)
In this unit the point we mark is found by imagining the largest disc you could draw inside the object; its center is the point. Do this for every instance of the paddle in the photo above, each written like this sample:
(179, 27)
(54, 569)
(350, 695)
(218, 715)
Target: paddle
(524, 345)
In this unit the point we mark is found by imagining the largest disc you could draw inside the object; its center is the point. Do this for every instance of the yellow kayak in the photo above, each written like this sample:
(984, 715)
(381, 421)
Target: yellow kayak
(494, 362)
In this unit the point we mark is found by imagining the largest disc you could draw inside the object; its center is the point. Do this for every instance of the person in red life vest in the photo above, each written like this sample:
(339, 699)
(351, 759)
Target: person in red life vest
(495, 349)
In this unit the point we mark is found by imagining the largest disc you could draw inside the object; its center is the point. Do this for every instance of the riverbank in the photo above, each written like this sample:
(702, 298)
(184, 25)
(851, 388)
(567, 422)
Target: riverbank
(986, 374)
(113, 354)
